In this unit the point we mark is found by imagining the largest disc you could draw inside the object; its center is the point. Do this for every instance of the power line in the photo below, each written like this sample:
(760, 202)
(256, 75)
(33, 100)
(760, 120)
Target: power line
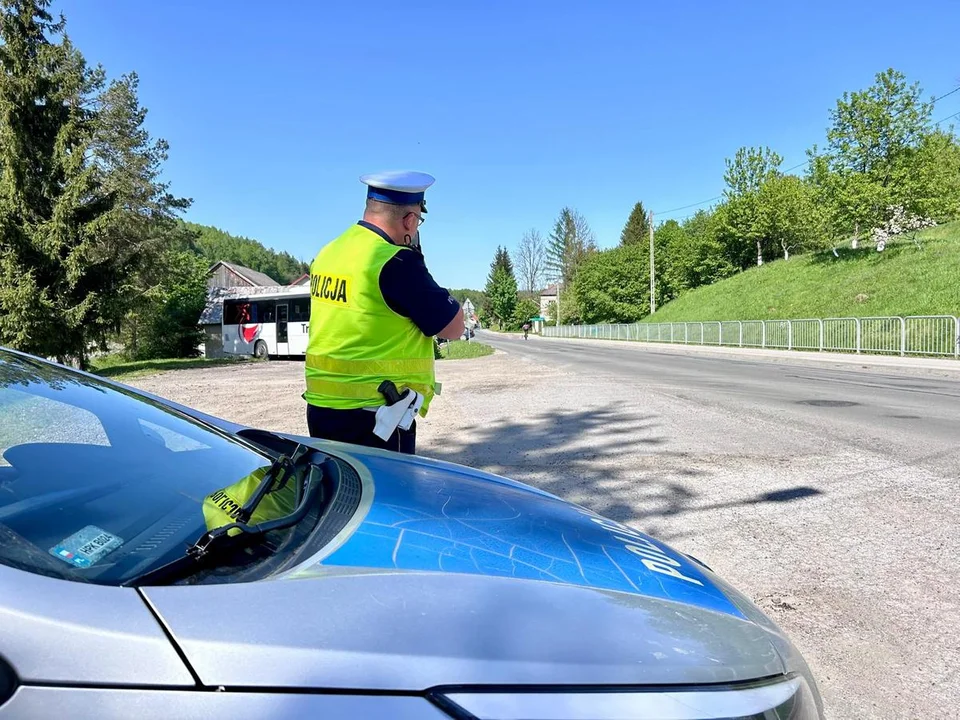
(948, 117)
(947, 94)
(685, 217)
(685, 207)
(798, 165)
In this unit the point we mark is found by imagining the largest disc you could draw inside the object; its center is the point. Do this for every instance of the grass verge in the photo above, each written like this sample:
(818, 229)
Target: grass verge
(112, 366)
(462, 350)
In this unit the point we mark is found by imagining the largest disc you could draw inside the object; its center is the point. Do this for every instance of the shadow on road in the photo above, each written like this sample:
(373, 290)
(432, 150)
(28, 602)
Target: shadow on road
(609, 460)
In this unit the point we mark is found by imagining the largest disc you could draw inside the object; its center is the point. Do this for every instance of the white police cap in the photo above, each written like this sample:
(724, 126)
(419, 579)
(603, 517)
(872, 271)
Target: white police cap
(399, 187)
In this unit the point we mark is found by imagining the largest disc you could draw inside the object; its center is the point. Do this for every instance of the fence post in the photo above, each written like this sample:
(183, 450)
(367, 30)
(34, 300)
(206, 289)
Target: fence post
(763, 334)
(701, 334)
(821, 333)
(740, 323)
(789, 334)
(686, 333)
(903, 336)
(859, 335)
(719, 333)
(956, 335)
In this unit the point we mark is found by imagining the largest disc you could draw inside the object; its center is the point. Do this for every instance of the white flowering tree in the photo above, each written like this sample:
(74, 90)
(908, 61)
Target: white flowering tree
(900, 222)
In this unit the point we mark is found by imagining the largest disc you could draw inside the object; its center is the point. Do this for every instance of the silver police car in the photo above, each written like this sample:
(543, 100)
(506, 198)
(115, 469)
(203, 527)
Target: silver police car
(156, 562)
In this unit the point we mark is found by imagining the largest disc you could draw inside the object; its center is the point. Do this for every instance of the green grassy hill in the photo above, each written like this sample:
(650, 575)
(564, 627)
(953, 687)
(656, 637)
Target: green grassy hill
(902, 280)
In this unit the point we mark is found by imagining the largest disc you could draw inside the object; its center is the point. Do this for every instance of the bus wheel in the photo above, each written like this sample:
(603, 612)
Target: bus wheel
(260, 350)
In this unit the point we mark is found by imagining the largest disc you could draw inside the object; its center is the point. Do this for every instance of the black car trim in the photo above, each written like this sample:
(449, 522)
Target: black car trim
(169, 635)
(613, 688)
(8, 681)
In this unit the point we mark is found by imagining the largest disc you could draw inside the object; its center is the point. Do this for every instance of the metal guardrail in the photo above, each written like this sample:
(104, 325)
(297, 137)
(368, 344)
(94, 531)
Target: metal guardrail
(926, 335)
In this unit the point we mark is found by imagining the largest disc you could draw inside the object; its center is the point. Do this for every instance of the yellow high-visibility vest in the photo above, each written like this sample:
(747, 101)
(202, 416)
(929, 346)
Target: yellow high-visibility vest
(356, 341)
(223, 506)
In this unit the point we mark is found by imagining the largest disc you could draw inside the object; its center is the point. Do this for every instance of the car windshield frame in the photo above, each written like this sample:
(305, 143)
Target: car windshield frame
(37, 515)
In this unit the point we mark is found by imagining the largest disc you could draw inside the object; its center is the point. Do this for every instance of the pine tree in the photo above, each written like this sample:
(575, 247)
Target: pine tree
(570, 242)
(501, 288)
(559, 247)
(46, 192)
(502, 259)
(82, 211)
(137, 231)
(637, 229)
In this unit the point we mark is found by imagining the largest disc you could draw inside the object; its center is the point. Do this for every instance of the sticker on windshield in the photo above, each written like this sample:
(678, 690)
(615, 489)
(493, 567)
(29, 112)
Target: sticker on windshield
(87, 547)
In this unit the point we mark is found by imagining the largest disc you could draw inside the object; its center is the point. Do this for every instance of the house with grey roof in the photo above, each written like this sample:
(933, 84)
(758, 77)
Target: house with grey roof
(223, 274)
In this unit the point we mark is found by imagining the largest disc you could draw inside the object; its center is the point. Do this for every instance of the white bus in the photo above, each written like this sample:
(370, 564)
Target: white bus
(269, 324)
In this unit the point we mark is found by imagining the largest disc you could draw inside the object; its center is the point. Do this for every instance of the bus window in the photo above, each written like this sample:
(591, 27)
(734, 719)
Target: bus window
(300, 310)
(267, 311)
(238, 312)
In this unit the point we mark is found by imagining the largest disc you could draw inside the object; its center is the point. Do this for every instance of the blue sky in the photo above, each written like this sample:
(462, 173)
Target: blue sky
(518, 108)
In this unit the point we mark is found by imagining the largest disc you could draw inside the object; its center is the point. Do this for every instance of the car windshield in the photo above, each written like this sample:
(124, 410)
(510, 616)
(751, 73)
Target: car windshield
(99, 485)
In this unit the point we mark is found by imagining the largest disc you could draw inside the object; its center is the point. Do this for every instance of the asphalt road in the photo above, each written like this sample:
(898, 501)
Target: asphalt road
(827, 492)
(904, 413)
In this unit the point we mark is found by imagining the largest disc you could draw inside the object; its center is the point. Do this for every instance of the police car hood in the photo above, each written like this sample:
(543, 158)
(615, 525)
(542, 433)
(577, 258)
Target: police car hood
(452, 576)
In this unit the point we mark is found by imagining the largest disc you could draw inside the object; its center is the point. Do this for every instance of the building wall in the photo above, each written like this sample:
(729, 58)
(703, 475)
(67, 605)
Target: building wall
(212, 341)
(545, 301)
(224, 277)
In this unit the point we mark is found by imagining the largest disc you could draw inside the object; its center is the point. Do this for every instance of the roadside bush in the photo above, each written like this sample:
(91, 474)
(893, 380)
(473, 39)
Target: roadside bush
(164, 325)
(526, 309)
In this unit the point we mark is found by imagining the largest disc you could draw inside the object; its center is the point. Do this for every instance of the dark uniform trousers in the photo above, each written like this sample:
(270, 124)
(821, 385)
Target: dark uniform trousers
(356, 426)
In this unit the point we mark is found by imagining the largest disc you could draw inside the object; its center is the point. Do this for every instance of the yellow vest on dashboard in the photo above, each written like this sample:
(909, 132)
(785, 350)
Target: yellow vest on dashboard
(356, 341)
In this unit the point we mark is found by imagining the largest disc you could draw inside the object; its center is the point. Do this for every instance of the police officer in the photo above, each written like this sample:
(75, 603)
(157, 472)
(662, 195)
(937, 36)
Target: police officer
(374, 311)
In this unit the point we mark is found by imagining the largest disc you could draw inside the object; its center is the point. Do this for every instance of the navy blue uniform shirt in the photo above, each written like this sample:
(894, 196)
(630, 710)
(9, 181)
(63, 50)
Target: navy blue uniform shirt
(410, 290)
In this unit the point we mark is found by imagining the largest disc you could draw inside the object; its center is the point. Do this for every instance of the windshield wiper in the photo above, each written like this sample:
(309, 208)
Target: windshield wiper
(279, 473)
(283, 469)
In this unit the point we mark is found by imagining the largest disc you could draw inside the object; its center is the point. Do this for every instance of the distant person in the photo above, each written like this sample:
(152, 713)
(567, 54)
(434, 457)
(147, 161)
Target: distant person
(526, 329)
(374, 312)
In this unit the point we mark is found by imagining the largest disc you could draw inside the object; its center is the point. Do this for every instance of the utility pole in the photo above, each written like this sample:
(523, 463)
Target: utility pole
(653, 272)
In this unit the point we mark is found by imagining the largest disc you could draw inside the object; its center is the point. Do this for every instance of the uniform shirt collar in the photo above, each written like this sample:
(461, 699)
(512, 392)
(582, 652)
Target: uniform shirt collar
(379, 231)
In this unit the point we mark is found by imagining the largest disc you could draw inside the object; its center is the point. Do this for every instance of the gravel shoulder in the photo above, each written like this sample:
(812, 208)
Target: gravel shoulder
(851, 548)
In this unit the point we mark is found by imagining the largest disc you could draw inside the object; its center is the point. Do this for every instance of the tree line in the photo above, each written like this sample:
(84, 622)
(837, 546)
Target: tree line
(213, 244)
(885, 166)
(508, 302)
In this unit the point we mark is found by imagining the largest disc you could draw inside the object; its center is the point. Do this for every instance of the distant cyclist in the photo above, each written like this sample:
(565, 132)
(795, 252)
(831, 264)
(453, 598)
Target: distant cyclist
(526, 329)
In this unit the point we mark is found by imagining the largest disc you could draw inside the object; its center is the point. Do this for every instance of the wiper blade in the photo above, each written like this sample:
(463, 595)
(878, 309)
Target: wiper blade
(281, 471)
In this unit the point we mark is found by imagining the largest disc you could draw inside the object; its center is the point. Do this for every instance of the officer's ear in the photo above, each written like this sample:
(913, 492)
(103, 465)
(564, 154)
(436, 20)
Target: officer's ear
(410, 222)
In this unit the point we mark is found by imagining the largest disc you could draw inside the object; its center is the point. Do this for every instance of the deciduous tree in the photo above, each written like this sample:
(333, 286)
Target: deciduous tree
(530, 261)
